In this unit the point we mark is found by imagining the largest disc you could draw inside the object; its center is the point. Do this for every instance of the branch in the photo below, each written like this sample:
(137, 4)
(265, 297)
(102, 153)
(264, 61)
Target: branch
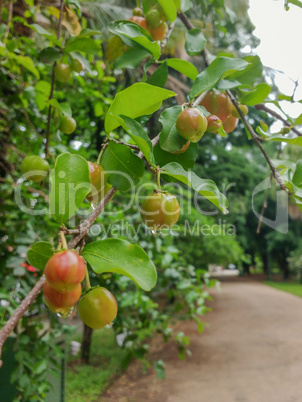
(9, 18)
(62, 3)
(21, 310)
(257, 140)
(165, 40)
(263, 107)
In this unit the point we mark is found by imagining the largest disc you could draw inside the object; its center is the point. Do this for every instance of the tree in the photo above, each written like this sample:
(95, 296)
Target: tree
(115, 112)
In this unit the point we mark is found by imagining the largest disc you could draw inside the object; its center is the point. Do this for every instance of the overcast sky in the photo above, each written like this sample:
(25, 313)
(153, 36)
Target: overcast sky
(280, 33)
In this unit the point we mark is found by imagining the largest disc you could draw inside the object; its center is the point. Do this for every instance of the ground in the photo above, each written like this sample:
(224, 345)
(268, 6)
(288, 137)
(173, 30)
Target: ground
(251, 351)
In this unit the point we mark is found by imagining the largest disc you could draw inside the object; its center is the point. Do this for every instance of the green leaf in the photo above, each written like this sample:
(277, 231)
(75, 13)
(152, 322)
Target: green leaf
(184, 67)
(70, 183)
(50, 55)
(27, 63)
(40, 30)
(131, 58)
(89, 32)
(123, 167)
(297, 177)
(186, 160)
(255, 96)
(223, 85)
(43, 87)
(98, 109)
(138, 100)
(169, 8)
(298, 120)
(207, 188)
(185, 5)
(169, 138)
(133, 34)
(289, 138)
(139, 136)
(251, 73)
(63, 107)
(220, 68)
(121, 257)
(195, 42)
(39, 254)
(160, 76)
(86, 45)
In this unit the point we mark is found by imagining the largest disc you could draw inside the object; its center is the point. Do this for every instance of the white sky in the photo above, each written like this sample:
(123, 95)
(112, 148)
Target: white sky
(280, 33)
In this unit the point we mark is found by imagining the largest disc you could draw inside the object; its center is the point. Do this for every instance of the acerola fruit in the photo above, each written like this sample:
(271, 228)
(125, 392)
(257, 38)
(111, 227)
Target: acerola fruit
(191, 124)
(153, 18)
(115, 48)
(67, 125)
(96, 198)
(35, 168)
(138, 12)
(230, 124)
(62, 72)
(182, 150)
(218, 104)
(97, 178)
(55, 300)
(244, 109)
(159, 32)
(159, 210)
(214, 123)
(65, 270)
(163, 15)
(76, 65)
(97, 308)
(139, 21)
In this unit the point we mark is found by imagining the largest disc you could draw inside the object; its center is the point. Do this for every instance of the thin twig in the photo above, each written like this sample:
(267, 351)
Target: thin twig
(62, 3)
(20, 311)
(263, 107)
(165, 40)
(9, 18)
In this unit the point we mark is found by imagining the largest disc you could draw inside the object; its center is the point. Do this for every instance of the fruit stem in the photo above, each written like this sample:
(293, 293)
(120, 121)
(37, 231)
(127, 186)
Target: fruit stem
(88, 286)
(158, 179)
(101, 153)
(63, 240)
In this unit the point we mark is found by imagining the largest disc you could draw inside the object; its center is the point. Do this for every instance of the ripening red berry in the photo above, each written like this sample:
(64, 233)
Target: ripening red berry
(191, 124)
(55, 300)
(218, 104)
(65, 270)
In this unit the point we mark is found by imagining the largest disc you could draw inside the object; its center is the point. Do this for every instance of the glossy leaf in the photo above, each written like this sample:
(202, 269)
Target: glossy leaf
(70, 183)
(27, 63)
(251, 73)
(131, 58)
(63, 107)
(169, 138)
(297, 177)
(86, 45)
(39, 254)
(184, 67)
(195, 42)
(169, 8)
(220, 68)
(160, 76)
(207, 188)
(121, 257)
(50, 55)
(138, 100)
(186, 160)
(139, 136)
(133, 34)
(123, 167)
(256, 95)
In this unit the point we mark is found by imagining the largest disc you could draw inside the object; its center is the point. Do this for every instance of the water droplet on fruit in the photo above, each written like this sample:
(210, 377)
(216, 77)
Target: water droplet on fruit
(65, 312)
(156, 233)
(111, 324)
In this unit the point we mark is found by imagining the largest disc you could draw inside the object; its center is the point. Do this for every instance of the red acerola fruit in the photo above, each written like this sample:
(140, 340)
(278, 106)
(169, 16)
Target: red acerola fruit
(65, 270)
(218, 104)
(55, 300)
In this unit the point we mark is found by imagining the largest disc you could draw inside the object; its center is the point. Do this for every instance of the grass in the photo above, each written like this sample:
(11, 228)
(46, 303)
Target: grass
(86, 383)
(293, 288)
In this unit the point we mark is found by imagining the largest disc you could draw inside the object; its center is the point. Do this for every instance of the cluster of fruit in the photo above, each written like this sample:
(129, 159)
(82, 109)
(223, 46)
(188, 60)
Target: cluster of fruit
(64, 272)
(191, 123)
(154, 23)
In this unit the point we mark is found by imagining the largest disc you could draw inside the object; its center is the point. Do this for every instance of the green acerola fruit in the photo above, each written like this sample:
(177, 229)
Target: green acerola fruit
(35, 168)
(191, 124)
(153, 18)
(63, 72)
(76, 65)
(67, 125)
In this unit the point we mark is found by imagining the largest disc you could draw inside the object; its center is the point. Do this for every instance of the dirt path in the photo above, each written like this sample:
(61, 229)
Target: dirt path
(250, 352)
